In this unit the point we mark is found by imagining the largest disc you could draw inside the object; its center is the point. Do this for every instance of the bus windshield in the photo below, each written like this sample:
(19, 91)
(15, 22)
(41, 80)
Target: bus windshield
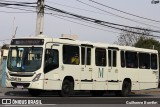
(24, 59)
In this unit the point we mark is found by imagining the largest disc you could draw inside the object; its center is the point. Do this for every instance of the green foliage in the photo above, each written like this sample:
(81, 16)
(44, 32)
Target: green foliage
(148, 43)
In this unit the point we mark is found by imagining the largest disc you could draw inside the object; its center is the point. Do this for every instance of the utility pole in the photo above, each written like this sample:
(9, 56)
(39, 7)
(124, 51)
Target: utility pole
(40, 17)
(14, 35)
(14, 30)
(13, 26)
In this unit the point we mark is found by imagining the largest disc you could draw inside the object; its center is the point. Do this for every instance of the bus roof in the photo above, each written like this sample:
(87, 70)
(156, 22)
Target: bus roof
(97, 44)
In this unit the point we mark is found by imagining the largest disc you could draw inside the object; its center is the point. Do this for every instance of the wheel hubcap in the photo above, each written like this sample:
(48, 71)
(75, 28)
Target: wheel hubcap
(66, 89)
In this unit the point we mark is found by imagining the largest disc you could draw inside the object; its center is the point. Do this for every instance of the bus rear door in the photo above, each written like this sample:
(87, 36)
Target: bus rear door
(112, 75)
(86, 68)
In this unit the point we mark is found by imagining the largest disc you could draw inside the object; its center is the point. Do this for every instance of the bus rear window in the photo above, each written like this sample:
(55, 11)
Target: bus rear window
(153, 61)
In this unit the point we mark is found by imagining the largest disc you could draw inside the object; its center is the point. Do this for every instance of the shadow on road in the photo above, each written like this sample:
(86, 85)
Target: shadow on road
(17, 93)
(55, 94)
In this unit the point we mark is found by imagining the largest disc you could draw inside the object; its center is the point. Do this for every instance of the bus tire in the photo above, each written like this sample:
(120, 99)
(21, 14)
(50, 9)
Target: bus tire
(126, 89)
(34, 92)
(67, 88)
(97, 93)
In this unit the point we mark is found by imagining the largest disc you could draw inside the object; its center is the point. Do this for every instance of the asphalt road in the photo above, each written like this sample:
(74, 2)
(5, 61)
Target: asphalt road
(81, 98)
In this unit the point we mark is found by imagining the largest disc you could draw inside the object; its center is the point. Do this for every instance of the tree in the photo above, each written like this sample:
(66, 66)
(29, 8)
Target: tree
(127, 38)
(148, 43)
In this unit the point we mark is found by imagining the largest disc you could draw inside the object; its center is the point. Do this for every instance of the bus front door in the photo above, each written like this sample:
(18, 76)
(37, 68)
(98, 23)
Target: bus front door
(51, 66)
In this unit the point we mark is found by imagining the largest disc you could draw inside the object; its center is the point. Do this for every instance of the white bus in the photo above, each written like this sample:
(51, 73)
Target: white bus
(65, 65)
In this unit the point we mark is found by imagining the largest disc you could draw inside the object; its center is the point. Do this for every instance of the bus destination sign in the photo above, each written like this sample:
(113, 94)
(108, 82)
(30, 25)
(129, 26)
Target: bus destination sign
(27, 42)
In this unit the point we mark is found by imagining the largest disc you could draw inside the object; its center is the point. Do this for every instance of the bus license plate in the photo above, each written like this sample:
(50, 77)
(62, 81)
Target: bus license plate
(20, 86)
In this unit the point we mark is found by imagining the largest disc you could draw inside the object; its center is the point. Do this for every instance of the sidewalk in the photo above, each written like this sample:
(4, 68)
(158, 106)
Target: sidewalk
(149, 91)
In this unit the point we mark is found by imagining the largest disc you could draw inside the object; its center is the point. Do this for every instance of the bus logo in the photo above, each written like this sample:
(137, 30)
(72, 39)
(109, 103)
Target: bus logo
(100, 73)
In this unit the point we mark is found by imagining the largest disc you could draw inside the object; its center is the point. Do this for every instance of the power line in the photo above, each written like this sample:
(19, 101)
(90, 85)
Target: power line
(6, 4)
(64, 16)
(21, 9)
(71, 17)
(99, 22)
(77, 8)
(95, 20)
(124, 11)
(17, 2)
(83, 24)
(14, 12)
(57, 16)
(104, 14)
(107, 24)
(118, 15)
(155, 2)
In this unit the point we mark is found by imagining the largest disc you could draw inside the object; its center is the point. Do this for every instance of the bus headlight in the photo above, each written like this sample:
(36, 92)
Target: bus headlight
(7, 77)
(36, 78)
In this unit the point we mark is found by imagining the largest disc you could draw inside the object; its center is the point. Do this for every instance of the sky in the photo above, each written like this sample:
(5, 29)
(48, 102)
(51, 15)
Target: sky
(55, 27)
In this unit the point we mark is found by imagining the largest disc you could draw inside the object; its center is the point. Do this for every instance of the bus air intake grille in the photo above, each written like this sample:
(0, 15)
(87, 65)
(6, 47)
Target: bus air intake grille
(16, 75)
(24, 85)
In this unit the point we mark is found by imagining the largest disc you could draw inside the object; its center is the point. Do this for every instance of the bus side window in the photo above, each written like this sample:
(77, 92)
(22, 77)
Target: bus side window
(88, 56)
(82, 55)
(71, 54)
(122, 59)
(153, 61)
(114, 58)
(100, 56)
(51, 60)
(131, 59)
(109, 58)
(144, 61)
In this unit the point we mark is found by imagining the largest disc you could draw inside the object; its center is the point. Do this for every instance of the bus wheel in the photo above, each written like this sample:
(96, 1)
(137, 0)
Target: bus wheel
(97, 93)
(67, 88)
(126, 89)
(34, 92)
